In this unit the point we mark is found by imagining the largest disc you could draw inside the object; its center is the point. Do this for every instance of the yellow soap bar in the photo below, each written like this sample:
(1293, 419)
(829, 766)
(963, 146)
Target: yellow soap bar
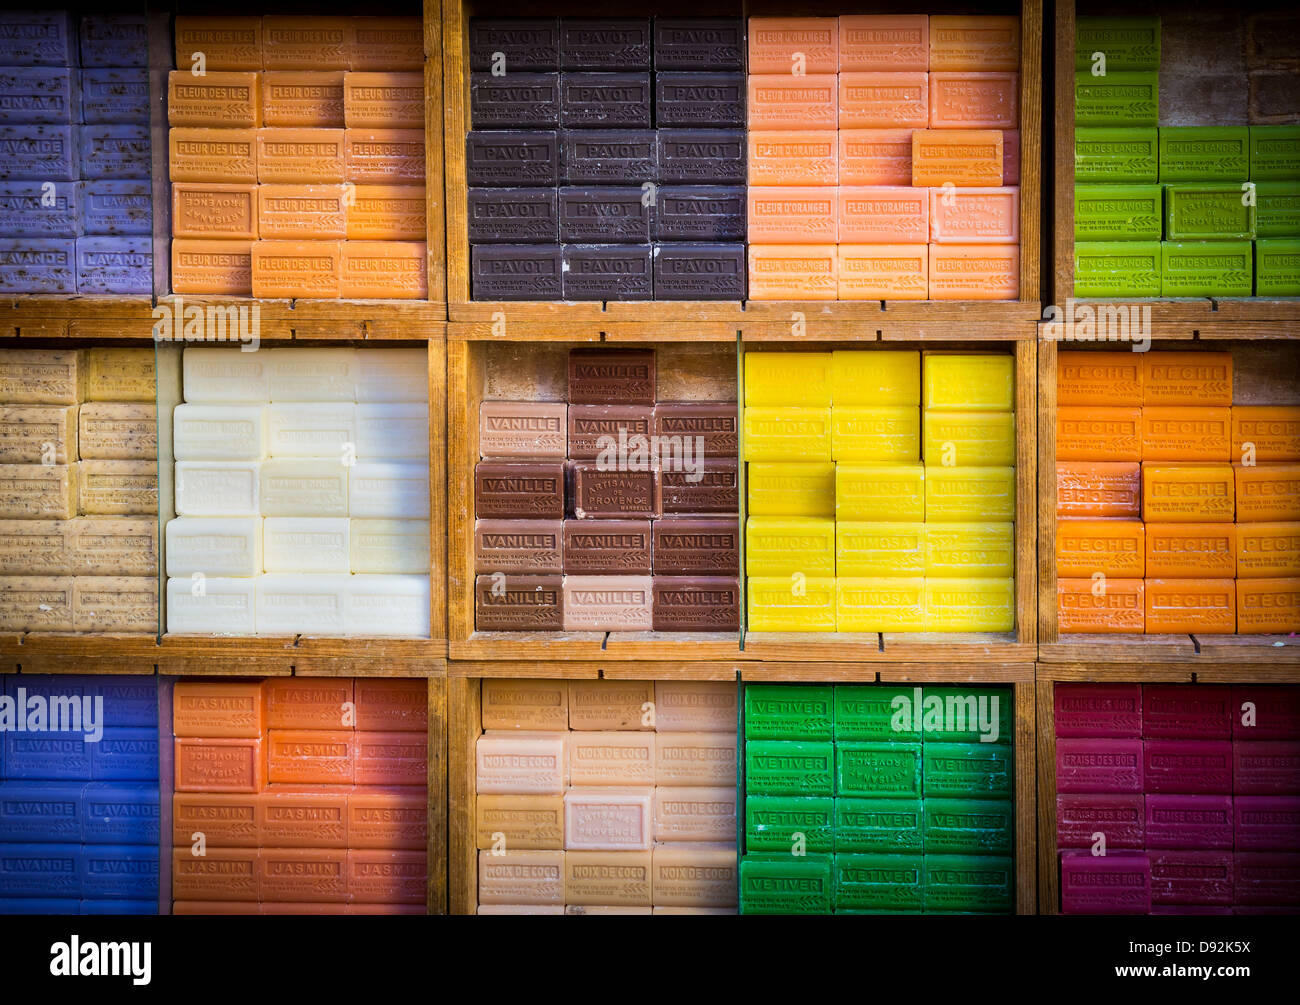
(956, 495)
(890, 377)
(880, 549)
(791, 488)
(118, 430)
(970, 439)
(875, 492)
(120, 375)
(787, 378)
(970, 605)
(780, 546)
(789, 433)
(790, 604)
(970, 383)
(879, 605)
(970, 549)
(876, 433)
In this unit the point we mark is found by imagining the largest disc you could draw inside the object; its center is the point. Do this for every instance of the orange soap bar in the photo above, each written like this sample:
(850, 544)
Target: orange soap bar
(965, 157)
(227, 99)
(387, 43)
(1099, 378)
(303, 98)
(297, 268)
(390, 758)
(1267, 492)
(884, 101)
(1098, 433)
(793, 272)
(303, 816)
(975, 215)
(383, 876)
(1105, 605)
(1181, 433)
(1111, 547)
(1268, 605)
(303, 875)
(386, 270)
(884, 42)
(875, 156)
(225, 819)
(227, 43)
(300, 155)
(221, 874)
(1187, 493)
(1098, 488)
(794, 157)
(383, 100)
(309, 703)
(794, 45)
(387, 213)
(974, 271)
(1192, 606)
(311, 757)
(967, 42)
(388, 818)
(306, 42)
(786, 102)
(388, 703)
(1187, 378)
(385, 156)
(1267, 550)
(223, 267)
(203, 708)
(209, 209)
(1274, 430)
(226, 764)
(882, 271)
(792, 215)
(213, 155)
(883, 214)
(307, 212)
(1177, 550)
(974, 100)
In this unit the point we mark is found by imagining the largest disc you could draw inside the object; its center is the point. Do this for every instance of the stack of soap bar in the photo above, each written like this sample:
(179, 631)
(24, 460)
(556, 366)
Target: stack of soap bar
(302, 493)
(859, 128)
(297, 159)
(79, 795)
(606, 796)
(865, 799)
(577, 191)
(1190, 791)
(610, 510)
(310, 795)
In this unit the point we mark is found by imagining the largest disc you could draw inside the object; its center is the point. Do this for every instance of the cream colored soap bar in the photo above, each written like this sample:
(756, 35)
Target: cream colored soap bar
(387, 606)
(223, 432)
(120, 375)
(306, 544)
(521, 877)
(694, 706)
(226, 375)
(118, 431)
(693, 874)
(611, 704)
(518, 909)
(391, 375)
(524, 704)
(114, 546)
(42, 376)
(303, 374)
(694, 813)
(608, 818)
(115, 604)
(532, 823)
(607, 878)
(211, 605)
(218, 488)
(214, 546)
(390, 489)
(297, 487)
(288, 603)
(392, 431)
(39, 491)
(36, 547)
(389, 546)
(326, 430)
(612, 757)
(38, 434)
(36, 603)
(695, 758)
(521, 763)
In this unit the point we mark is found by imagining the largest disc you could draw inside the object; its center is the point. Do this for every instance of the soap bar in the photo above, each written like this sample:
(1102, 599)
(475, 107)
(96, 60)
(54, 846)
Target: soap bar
(36, 603)
(518, 546)
(793, 45)
(224, 607)
(873, 605)
(302, 816)
(227, 819)
(965, 42)
(975, 216)
(301, 156)
(607, 272)
(300, 487)
(1127, 43)
(117, 207)
(227, 43)
(1187, 378)
(306, 43)
(221, 267)
(614, 493)
(1265, 823)
(117, 265)
(611, 757)
(1189, 821)
(391, 704)
(608, 603)
(514, 43)
(1265, 880)
(36, 38)
(875, 157)
(225, 764)
(517, 215)
(525, 704)
(1267, 492)
(1108, 212)
(777, 101)
(46, 152)
(782, 823)
(32, 434)
(787, 433)
(974, 439)
(695, 545)
(699, 99)
(585, 156)
(1268, 605)
(1276, 711)
(37, 547)
(37, 265)
(381, 376)
(1268, 549)
(307, 876)
(519, 603)
(618, 880)
(972, 99)
(313, 757)
(597, 215)
(782, 546)
(1120, 817)
(878, 884)
(970, 605)
(792, 215)
(226, 99)
(1187, 766)
(699, 213)
(219, 709)
(1116, 154)
(1099, 378)
(1273, 153)
(969, 549)
(1206, 268)
(29, 209)
(39, 491)
(1098, 489)
(882, 271)
(521, 877)
(387, 100)
(713, 426)
(115, 604)
(1188, 493)
(1204, 154)
(974, 272)
(383, 269)
(793, 272)
(1110, 547)
(695, 759)
(1265, 767)
(384, 156)
(605, 100)
(968, 826)
(611, 705)
(390, 758)
(791, 489)
(890, 42)
(1277, 268)
(305, 544)
(876, 492)
(872, 825)
(889, 100)
(601, 376)
(1200, 878)
(288, 603)
(302, 98)
(210, 209)
(525, 823)
(962, 157)
(605, 43)
(1207, 211)
(220, 432)
(692, 43)
(1092, 766)
(711, 485)
(966, 494)
(699, 875)
(1099, 432)
(691, 706)
(214, 488)
(715, 156)
(875, 770)
(382, 546)
(115, 95)
(872, 713)
(1191, 550)
(111, 430)
(705, 604)
(610, 818)
(694, 813)
(1120, 98)
(802, 378)
(776, 605)
(40, 94)
(214, 546)
(781, 884)
(294, 269)
(299, 211)
(1111, 884)
(388, 877)
(518, 100)
(788, 712)
(1192, 606)
(391, 489)
(1277, 209)
(604, 547)
(794, 157)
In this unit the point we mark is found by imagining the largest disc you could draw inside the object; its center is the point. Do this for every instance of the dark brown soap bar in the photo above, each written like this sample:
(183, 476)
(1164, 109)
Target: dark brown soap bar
(608, 272)
(517, 271)
(609, 43)
(696, 545)
(707, 486)
(517, 100)
(607, 546)
(515, 43)
(611, 376)
(505, 603)
(702, 156)
(696, 604)
(685, 271)
(699, 43)
(510, 489)
(512, 157)
(512, 216)
(532, 546)
(699, 99)
(714, 425)
(699, 213)
(604, 215)
(597, 429)
(608, 156)
(605, 100)
(599, 493)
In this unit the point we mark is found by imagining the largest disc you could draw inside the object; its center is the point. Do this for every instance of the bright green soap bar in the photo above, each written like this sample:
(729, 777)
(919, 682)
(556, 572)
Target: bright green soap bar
(1274, 153)
(870, 712)
(774, 823)
(788, 712)
(783, 884)
(1277, 268)
(969, 826)
(1206, 268)
(967, 715)
(1118, 212)
(1208, 211)
(1116, 155)
(1277, 209)
(789, 768)
(1204, 153)
(1117, 269)
(982, 770)
(878, 882)
(878, 825)
(1129, 43)
(981, 884)
(877, 770)
(1120, 98)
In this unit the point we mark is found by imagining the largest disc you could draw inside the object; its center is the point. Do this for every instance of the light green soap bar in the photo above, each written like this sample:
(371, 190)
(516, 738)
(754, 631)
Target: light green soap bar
(1277, 268)
(1208, 211)
(1128, 43)
(878, 770)
(1116, 155)
(789, 768)
(1118, 212)
(789, 823)
(878, 883)
(1117, 269)
(1120, 98)
(783, 884)
(1277, 209)
(1206, 269)
(1204, 153)
(883, 825)
(981, 884)
(1274, 153)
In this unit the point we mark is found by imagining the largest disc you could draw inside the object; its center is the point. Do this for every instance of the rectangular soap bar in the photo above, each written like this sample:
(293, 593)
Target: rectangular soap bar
(873, 825)
(1174, 433)
(608, 818)
(219, 488)
(224, 764)
(969, 549)
(524, 43)
(618, 880)
(693, 707)
(790, 45)
(115, 604)
(1207, 211)
(299, 268)
(1187, 378)
(1204, 153)
(599, 376)
(1098, 488)
(227, 43)
(1267, 491)
(975, 216)
(1265, 823)
(970, 605)
(694, 875)
(968, 826)
(1268, 549)
(794, 157)
(695, 545)
(1116, 154)
(791, 489)
(877, 433)
(301, 487)
(219, 709)
(611, 757)
(1265, 767)
(299, 703)
(966, 42)
(1200, 878)
(528, 603)
(882, 271)
(1197, 822)
(214, 210)
(1128, 43)
(1108, 212)
(1113, 884)
(32, 434)
(1191, 550)
(1187, 765)
(37, 547)
(389, 489)
(878, 884)
(1200, 606)
(517, 216)
(793, 272)
(1099, 378)
(1277, 209)
(696, 98)
(390, 758)
(1206, 268)
(584, 156)
(227, 819)
(1110, 433)
(787, 433)
(711, 485)
(782, 546)
(518, 546)
(38, 265)
(300, 211)
(600, 493)
(387, 100)
(606, 100)
(699, 213)
(214, 546)
(223, 875)
(595, 215)
(693, 758)
(875, 157)
(1121, 817)
(606, 547)
(692, 43)
(36, 603)
(715, 156)
(974, 271)
(1268, 605)
(300, 156)
(972, 99)
(772, 823)
(313, 757)
(865, 712)
(1119, 98)
(784, 101)
(876, 770)
(118, 430)
(302, 816)
(517, 101)
(610, 704)
(781, 884)
(39, 491)
(889, 42)
(802, 378)
(29, 209)
(386, 212)
(47, 152)
(39, 38)
(222, 432)
(221, 267)
(115, 95)
(608, 603)
(388, 877)
(115, 265)
(528, 823)
(1187, 493)
(226, 99)
(303, 875)
(385, 156)
(792, 768)
(1110, 547)
(385, 546)
(517, 876)
(694, 813)
(963, 157)
(525, 704)
(1093, 766)
(966, 494)
(714, 426)
(607, 272)
(1277, 268)
(383, 269)
(792, 215)
(967, 382)
(306, 42)
(880, 492)
(40, 94)
(884, 100)
(227, 607)
(975, 439)
(1274, 153)
(875, 605)
(788, 712)
(605, 43)
(302, 98)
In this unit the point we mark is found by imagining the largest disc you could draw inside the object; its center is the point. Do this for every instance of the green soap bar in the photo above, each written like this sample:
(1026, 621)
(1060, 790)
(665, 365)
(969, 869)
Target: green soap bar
(878, 825)
(789, 768)
(773, 823)
(1116, 155)
(1206, 269)
(878, 882)
(1120, 98)
(969, 826)
(1204, 153)
(982, 884)
(1117, 269)
(1129, 43)
(784, 884)
(788, 712)
(1118, 212)
(968, 769)
(967, 714)
(1274, 153)
(879, 770)
(1208, 211)
(1277, 209)
(1277, 268)
(870, 712)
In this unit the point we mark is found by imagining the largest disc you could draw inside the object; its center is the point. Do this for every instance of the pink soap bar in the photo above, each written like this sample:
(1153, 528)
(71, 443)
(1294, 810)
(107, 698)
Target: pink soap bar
(1188, 910)
(883, 214)
(1266, 879)
(1098, 765)
(1102, 711)
(1187, 766)
(522, 763)
(1121, 818)
(884, 100)
(974, 271)
(975, 215)
(1266, 823)
(1114, 884)
(875, 156)
(1265, 767)
(1265, 712)
(1011, 157)
(600, 818)
(1201, 878)
(1199, 822)
(1186, 711)
(884, 42)
(968, 99)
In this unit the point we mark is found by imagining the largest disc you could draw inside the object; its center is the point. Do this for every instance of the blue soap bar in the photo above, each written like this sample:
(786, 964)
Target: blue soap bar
(41, 209)
(126, 754)
(41, 870)
(115, 151)
(52, 756)
(38, 905)
(119, 813)
(120, 871)
(38, 94)
(37, 38)
(115, 265)
(41, 152)
(117, 207)
(114, 40)
(48, 812)
(115, 96)
(128, 700)
(119, 907)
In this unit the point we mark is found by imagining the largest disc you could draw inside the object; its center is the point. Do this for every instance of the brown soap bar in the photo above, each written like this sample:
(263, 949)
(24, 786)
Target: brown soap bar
(38, 491)
(36, 547)
(521, 429)
(594, 429)
(528, 823)
(36, 603)
(715, 424)
(713, 487)
(697, 545)
(607, 546)
(114, 546)
(518, 546)
(696, 604)
(504, 489)
(612, 376)
(42, 376)
(119, 431)
(38, 434)
(118, 488)
(611, 704)
(115, 604)
(601, 493)
(518, 603)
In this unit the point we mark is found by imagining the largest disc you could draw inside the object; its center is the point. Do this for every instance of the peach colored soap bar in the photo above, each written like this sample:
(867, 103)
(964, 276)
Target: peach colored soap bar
(385, 156)
(1099, 378)
(694, 813)
(1191, 606)
(607, 878)
(794, 157)
(387, 876)
(303, 875)
(793, 272)
(875, 156)
(967, 42)
(214, 210)
(1112, 606)
(212, 155)
(219, 709)
(792, 215)
(1272, 430)
(392, 704)
(1175, 550)
(394, 817)
(387, 43)
(694, 874)
(383, 100)
(786, 102)
(525, 822)
(521, 763)
(971, 100)
(608, 818)
(222, 874)
(882, 271)
(883, 214)
(222, 267)
(1098, 488)
(1267, 492)
(686, 706)
(390, 758)
(297, 269)
(227, 43)
(303, 816)
(384, 270)
(1187, 378)
(974, 271)
(1268, 605)
(303, 98)
(227, 819)
(517, 876)
(695, 758)
(894, 42)
(302, 42)
(525, 704)
(793, 45)
(884, 101)
(219, 765)
(975, 216)
(300, 156)
(962, 157)
(387, 213)
(301, 212)
(227, 100)
(1187, 493)
(1098, 433)
(612, 757)
(611, 704)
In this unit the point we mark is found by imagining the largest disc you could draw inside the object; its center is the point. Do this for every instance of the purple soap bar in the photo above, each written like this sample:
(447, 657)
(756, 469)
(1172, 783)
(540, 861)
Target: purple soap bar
(607, 547)
(608, 156)
(1265, 712)
(114, 152)
(1120, 817)
(1266, 823)
(1114, 884)
(1186, 711)
(118, 96)
(1098, 765)
(518, 603)
(692, 485)
(1188, 766)
(696, 604)
(611, 43)
(1199, 822)
(516, 272)
(512, 216)
(514, 43)
(699, 99)
(596, 429)
(605, 100)
(114, 40)
(512, 157)
(41, 152)
(38, 94)
(702, 156)
(518, 546)
(696, 545)
(699, 271)
(607, 272)
(699, 43)
(30, 209)
(604, 215)
(1202, 878)
(37, 38)
(1103, 711)
(1266, 879)
(117, 207)
(38, 265)
(1265, 767)
(115, 265)
(517, 100)
(699, 213)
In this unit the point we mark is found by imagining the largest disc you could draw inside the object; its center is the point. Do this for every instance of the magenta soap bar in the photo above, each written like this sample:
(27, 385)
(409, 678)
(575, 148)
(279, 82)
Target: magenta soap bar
(608, 603)
(1121, 817)
(1100, 711)
(1265, 767)
(1098, 765)
(1186, 712)
(1265, 712)
(605, 547)
(1266, 823)
(1266, 879)
(1200, 878)
(1188, 766)
(597, 429)
(1115, 884)
(1201, 822)
(518, 546)
(521, 429)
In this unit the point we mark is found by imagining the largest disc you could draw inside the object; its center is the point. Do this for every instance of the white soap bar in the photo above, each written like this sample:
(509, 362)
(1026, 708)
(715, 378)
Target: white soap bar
(208, 605)
(225, 374)
(217, 488)
(296, 487)
(390, 546)
(388, 431)
(388, 605)
(392, 374)
(389, 488)
(224, 432)
(214, 546)
(306, 544)
(292, 603)
(301, 374)
(314, 430)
